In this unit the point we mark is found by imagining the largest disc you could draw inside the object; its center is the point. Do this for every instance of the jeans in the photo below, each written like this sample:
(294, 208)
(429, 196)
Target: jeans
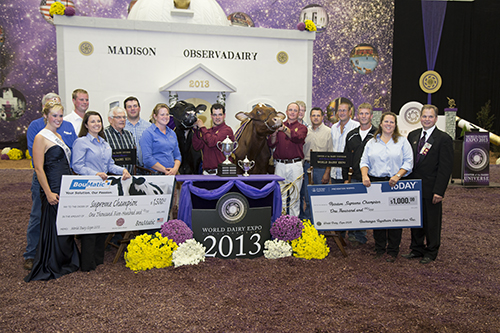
(33, 232)
(317, 176)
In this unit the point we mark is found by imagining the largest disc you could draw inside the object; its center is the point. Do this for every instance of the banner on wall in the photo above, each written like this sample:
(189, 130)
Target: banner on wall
(476, 158)
(89, 205)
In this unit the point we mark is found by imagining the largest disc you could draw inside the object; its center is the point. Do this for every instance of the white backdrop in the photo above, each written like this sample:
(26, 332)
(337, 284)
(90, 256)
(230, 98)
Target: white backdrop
(93, 55)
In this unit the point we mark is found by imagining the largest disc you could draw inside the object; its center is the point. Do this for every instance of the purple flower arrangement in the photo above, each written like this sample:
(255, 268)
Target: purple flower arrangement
(287, 228)
(176, 230)
(69, 11)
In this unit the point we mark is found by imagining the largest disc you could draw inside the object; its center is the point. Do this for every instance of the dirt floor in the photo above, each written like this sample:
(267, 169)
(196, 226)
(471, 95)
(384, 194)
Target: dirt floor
(459, 292)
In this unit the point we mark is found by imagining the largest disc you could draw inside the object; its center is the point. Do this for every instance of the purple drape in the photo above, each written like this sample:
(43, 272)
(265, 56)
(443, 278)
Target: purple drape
(433, 13)
(254, 193)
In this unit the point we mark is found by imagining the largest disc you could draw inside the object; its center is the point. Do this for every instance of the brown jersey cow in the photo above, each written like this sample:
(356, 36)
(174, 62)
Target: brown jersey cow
(255, 126)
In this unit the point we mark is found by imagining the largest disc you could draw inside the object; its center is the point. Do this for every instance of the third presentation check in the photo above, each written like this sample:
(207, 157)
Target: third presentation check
(355, 206)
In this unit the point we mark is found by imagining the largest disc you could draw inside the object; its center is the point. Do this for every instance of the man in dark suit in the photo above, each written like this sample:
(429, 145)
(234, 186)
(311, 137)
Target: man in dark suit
(433, 163)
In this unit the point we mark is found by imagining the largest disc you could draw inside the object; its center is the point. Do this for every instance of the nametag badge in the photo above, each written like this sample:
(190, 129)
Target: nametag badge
(425, 148)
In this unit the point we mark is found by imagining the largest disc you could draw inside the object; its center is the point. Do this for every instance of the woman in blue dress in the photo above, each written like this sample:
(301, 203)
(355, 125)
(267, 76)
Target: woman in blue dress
(55, 255)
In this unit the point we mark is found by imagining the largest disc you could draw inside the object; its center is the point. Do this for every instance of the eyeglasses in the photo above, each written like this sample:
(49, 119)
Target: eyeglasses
(120, 117)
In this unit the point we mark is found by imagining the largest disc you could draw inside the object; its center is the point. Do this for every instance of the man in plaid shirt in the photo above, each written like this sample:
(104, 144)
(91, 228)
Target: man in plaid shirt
(116, 134)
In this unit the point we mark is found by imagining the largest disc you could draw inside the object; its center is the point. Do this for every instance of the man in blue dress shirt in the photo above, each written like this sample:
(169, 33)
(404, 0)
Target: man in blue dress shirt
(135, 124)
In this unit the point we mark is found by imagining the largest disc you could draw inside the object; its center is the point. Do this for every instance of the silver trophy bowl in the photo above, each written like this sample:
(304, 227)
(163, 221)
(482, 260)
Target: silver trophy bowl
(227, 147)
(246, 165)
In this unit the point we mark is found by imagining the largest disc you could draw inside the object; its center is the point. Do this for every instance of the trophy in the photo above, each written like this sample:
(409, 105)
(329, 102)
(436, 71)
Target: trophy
(226, 168)
(246, 165)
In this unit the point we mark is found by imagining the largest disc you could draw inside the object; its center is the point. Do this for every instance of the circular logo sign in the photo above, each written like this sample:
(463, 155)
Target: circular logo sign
(430, 82)
(282, 57)
(86, 48)
(477, 159)
(232, 207)
(410, 114)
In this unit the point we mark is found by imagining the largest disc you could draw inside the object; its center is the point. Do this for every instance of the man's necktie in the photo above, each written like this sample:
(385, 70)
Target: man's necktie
(421, 144)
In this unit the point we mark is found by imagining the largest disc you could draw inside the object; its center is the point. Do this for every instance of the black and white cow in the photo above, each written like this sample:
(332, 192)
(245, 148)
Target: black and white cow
(185, 116)
(138, 186)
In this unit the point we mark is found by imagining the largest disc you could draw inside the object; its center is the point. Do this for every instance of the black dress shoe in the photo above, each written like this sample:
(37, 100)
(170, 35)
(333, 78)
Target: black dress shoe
(410, 255)
(426, 260)
(391, 259)
(28, 264)
(355, 243)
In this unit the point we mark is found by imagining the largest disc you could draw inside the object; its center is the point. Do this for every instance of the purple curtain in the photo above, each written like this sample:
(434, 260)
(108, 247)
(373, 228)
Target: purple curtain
(187, 188)
(433, 13)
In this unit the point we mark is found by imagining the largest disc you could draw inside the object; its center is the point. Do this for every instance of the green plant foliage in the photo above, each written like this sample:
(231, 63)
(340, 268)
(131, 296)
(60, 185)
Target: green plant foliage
(484, 119)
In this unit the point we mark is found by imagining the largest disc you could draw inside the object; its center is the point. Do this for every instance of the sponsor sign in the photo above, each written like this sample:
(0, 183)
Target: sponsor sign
(89, 205)
(355, 206)
(476, 158)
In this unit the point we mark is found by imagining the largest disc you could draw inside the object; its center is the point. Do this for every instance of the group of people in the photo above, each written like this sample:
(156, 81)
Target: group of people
(373, 155)
(57, 150)
(79, 143)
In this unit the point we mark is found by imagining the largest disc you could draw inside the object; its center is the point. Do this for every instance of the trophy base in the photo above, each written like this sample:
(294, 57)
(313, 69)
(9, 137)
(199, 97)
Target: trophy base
(226, 170)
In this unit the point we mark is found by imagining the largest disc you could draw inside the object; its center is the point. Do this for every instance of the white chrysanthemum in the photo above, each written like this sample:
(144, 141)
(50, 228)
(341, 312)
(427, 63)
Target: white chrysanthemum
(277, 249)
(190, 252)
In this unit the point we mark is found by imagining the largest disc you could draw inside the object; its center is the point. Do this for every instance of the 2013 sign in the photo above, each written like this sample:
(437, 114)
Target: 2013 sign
(199, 84)
(244, 239)
(226, 246)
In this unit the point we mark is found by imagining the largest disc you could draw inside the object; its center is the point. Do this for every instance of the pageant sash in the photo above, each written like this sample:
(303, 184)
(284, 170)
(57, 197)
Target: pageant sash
(49, 135)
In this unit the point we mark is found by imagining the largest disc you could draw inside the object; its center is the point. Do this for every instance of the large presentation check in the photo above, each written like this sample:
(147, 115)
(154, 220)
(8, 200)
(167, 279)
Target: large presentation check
(89, 205)
(354, 206)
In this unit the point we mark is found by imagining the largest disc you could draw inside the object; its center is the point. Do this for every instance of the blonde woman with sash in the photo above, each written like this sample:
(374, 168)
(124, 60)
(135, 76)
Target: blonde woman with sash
(55, 255)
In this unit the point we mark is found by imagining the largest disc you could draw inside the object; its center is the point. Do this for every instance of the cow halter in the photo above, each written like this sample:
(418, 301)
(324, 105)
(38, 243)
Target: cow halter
(265, 122)
(182, 121)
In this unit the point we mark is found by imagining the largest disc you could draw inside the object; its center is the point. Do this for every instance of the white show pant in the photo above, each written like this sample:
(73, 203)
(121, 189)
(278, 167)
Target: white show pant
(290, 171)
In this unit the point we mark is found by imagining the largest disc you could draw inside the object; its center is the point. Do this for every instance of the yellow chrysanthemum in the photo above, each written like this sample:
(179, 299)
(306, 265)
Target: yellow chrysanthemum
(310, 245)
(147, 251)
(310, 26)
(56, 8)
(15, 154)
